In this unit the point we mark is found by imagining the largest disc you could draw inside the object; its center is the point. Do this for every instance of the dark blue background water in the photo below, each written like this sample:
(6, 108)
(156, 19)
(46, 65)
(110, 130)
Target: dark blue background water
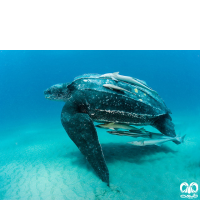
(24, 75)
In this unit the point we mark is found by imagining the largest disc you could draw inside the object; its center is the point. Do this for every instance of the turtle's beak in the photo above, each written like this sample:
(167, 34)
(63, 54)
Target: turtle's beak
(46, 91)
(47, 94)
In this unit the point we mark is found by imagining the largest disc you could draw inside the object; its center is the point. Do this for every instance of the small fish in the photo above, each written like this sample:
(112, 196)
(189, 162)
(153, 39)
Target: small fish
(116, 126)
(138, 132)
(151, 134)
(115, 76)
(127, 133)
(157, 142)
(114, 87)
(135, 132)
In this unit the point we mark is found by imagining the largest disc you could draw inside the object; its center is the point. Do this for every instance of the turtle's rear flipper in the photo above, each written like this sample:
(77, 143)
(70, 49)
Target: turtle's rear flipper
(81, 130)
(165, 125)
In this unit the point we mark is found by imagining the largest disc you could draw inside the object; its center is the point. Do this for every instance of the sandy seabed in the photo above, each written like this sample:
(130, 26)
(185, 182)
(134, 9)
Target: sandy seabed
(41, 162)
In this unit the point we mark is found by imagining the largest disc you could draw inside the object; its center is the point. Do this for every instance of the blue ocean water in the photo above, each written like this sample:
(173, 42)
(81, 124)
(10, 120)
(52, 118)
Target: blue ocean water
(39, 161)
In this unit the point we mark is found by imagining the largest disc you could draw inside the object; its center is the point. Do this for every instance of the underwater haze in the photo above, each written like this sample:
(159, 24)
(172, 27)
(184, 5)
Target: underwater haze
(39, 161)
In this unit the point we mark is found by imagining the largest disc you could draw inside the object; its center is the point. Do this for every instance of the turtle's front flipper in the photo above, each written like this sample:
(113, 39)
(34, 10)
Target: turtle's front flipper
(80, 128)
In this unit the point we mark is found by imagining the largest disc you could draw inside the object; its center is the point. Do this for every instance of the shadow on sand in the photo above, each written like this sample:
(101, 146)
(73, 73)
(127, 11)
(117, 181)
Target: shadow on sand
(114, 152)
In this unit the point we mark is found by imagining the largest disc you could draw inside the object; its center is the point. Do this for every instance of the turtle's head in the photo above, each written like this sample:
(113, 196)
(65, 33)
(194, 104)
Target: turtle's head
(58, 92)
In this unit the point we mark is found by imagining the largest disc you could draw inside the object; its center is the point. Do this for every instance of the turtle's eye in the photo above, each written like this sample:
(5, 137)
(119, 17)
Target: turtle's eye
(56, 90)
(46, 92)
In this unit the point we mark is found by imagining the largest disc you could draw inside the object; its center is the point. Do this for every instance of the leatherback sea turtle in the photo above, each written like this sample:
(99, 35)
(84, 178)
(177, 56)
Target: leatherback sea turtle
(99, 98)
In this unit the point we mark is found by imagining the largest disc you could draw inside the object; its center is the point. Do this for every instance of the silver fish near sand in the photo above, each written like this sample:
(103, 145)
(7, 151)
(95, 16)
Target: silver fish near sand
(157, 142)
(115, 76)
(116, 126)
(114, 87)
